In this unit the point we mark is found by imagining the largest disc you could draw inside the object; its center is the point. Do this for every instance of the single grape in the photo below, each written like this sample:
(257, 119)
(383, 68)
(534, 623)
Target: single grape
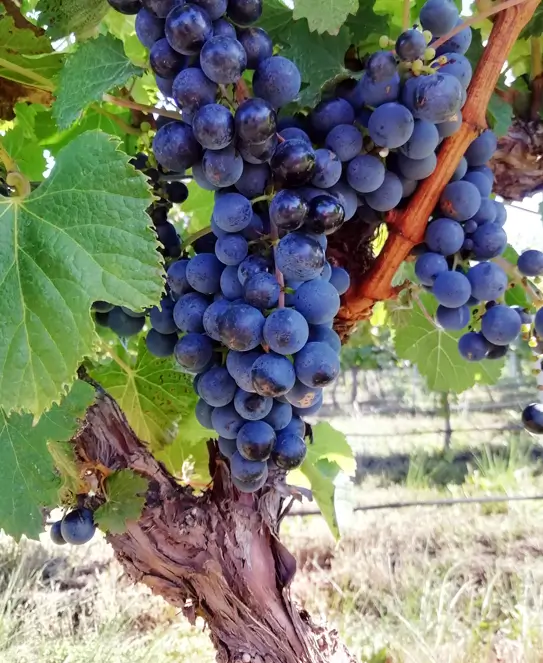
(460, 200)
(289, 452)
(428, 266)
(255, 439)
(388, 195)
(365, 173)
(279, 416)
(423, 140)
(488, 281)
(213, 127)
(149, 28)
(501, 213)
(340, 279)
(458, 43)
(302, 396)
(124, 325)
(329, 114)
(240, 327)
(526, 318)
(223, 60)
(189, 310)
(530, 263)
(444, 236)
(288, 210)
(436, 98)
(293, 163)
(232, 212)
(473, 346)
(311, 410)
(251, 406)
(317, 301)
(450, 127)
(204, 273)
(296, 426)
(253, 182)
(134, 314)
(349, 90)
(459, 67)
(244, 12)
(453, 319)
(294, 132)
(126, 6)
(258, 153)
(231, 287)
(481, 181)
(391, 125)
(188, 27)
(381, 66)
(286, 331)
(277, 80)
(316, 365)
(482, 148)
(215, 8)
(203, 413)
(299, 257)
(231, 249)
(168, 237)
(489, 241)
(193, 352)
(485, 170)
(345, 140)
(411, 45)
(451, 289)
(250, 487)
(78, 527)
(56, 534)
(347, 197)
(175, 147)
(102, 307)
(486, 213)
(255, 121)
(322, 334)
(272, 375)
(226, 421)
(325, 215)
(417, 169)
(328, 169)
(408, 186)
(532, 418)
(252, 265)
(222, 168)
(212, 316)
(176, 278)
(165, 85)
(438, 16)
(160, 8)
(377, 93)
(500, 325)
(223, 28)
(262, 291)
(227, 447)
(461, 169)
(192, 90)
(257, 45)
(164, 60)
(101, 319)
(216, 387)
(239, 366)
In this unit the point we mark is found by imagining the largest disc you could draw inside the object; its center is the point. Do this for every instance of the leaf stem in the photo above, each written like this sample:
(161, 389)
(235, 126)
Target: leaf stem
(110, 353)
(127, 103)
(43, 82)
(476, 18)
(406, 18)
(533, 293)
(8, 162)
(124, 126)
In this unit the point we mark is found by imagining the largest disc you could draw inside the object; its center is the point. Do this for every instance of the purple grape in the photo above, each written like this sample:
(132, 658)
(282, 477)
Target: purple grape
(244, 12)
(240, 327)
(530, 263)
(256, 439)
(325, 215)
(411, 45)
(316, 365)
(473, 346)
(365, 173)
(255, 121)
(345, 141)
(444, 236)
(286, 331)
(329, 113)
(257, 44)
(500, 325)
(164, 61)
(460, 200)
(192, 90)
(277, 80)
(387, 196)
(149, 28)
(451, 289)
(193, 351)
(453, 319)
(272, 375)
(288, 210)
(222, 168)
(188, 27)
(213, 127)
(328, 169)
(439, 16)
(293, 163)
(299, 257)
(223, 60)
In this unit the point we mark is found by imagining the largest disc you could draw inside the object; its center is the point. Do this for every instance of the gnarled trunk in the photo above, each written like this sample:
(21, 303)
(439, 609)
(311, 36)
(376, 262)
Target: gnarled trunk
(216, 555)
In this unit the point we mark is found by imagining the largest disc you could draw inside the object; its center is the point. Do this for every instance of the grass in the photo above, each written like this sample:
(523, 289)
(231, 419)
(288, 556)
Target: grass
(460, 584)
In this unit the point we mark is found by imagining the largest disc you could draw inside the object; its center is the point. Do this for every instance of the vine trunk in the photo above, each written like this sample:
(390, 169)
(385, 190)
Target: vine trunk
(216, 555)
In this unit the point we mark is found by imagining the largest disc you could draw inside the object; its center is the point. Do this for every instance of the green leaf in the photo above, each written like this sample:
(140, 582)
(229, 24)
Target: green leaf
(27, 153)
(500, 115)
(125, 499)
(80, 236)
(327, 459)
(435, 352)
(29, 480)
(367, 27)
(124, 28)
(96, 67)
(153, 393)
(66, 463)
(276, 18)
(535, 25)
(187, 457)
(28, 51)
(63, 17)
(324, 15)
(199, 207)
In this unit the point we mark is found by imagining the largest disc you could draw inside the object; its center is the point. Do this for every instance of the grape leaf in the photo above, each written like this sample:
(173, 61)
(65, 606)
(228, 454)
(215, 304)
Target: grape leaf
(324, 15)
(97, 66)
(153, 393)
(435, 352)
(276, 17)
(26, 152)
(63, 17)
(327, 459)
(500, 115)
(82, 235)
(535, 25)
(124, 28)
(125, 499)
(29, 480)
(199, 207)
(367, 26)
(31, 53)
(187, 457)
(66, 463)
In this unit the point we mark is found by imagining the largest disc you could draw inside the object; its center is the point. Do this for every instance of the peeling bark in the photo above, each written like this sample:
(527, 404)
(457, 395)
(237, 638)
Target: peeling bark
(518, 162)
(216, 555)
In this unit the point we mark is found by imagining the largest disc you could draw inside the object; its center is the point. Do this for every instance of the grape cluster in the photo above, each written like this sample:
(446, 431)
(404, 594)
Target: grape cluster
(77, 527)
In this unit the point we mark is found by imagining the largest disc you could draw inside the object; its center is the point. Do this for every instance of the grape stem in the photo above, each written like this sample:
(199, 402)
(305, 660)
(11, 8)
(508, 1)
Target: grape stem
(260, 199)
(278, 274)
(195, 236)
(407, 226)
(127, 103)
(124, 126)
(406, 18)
(533, 293)
(8, 162)
(477, 18)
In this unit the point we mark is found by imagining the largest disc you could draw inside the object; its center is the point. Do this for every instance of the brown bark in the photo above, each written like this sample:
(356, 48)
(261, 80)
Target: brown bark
(216, 555)
(518, 162)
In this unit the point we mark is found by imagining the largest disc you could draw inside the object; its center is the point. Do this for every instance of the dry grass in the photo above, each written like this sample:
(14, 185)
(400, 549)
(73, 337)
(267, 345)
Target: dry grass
(423, 585)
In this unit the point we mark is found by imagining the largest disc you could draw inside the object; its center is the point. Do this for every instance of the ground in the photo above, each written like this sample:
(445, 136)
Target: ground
(452, 584)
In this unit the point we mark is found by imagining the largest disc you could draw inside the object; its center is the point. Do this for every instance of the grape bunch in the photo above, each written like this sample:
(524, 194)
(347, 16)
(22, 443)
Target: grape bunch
(77, 527)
